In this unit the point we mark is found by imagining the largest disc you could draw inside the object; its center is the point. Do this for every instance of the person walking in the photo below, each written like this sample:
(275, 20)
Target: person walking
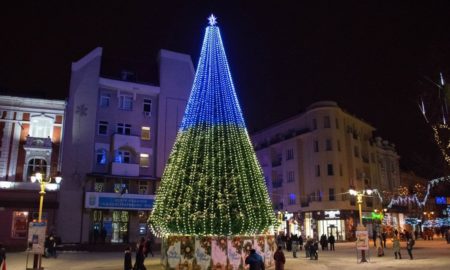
(279, 258)
(300, 242)
(323, 241)
(383, 239)
(396, 247)
(409, 247)
(139, 261)
(308, 244)
(127, 263)
(148, 246)
(374, 238)
(331, 240)
(2, 257)
(255, 260)
(294, 246)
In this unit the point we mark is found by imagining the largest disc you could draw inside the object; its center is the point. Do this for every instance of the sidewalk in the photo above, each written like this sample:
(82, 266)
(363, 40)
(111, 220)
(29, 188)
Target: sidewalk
(427, 255)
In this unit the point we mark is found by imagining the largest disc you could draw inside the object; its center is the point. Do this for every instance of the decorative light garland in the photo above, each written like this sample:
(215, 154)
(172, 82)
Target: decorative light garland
(213, 183)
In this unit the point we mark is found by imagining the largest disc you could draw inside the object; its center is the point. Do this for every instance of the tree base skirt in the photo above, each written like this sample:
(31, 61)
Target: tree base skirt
(214, 252)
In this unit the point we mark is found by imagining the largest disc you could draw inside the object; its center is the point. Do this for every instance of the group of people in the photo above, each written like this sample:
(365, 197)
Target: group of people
(143, 249)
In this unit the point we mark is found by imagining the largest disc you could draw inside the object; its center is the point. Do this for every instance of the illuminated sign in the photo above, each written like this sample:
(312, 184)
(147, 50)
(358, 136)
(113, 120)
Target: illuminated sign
(377, 216)
(101, 200)
(332, 214)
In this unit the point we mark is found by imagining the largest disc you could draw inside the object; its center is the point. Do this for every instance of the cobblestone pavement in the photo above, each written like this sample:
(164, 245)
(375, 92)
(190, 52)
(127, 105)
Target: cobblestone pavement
(427, 255)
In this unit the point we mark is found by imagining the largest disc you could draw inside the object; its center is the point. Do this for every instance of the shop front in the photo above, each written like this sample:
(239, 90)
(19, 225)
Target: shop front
(117, 218)
(340, 223)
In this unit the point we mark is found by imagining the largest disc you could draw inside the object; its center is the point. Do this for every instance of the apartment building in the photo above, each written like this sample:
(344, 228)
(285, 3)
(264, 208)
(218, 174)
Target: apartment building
(311, 160)
(31, 134)
(118, 136)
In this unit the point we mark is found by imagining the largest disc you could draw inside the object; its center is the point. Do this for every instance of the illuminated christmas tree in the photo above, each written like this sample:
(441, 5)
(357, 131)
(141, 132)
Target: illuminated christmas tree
(213, 183)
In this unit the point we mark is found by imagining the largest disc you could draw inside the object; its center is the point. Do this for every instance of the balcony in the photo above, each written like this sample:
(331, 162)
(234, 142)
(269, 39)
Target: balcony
(38, 143)
(120, 140)
(125, 169)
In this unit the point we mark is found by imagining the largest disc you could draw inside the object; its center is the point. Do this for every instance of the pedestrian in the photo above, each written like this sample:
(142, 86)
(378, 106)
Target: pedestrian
(409, 247)
(313, 250)
(279, 258)
(374, 238)
(255, 260)
(308, 243)
(52, 246)
(396, 247)
(383, 238)
(2, 257)
(323, 241)
(300, 242)
(148, 246)
(331, 240)
(127, 263)
(139, 261)
(294, 246)
(288, 243)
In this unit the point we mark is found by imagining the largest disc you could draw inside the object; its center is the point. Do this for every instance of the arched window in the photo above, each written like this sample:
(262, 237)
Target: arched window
(36, 165)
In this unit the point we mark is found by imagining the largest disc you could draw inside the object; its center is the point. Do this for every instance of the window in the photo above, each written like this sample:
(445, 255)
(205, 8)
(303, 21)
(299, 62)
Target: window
(147, 107)
(341, 172)
(102, 128)
(328, 145)
(41, 126)
(330, 169)
(101, 156)
(317, 170)
(316, 146)
(314, 123)
(143, 187)
(145, 133)
(339, 145)
(356, 151)
(290, 177)
(144, 160)
(123, 157)
(104, 100)
(120, 187)
(126, 102)
(19, 224)
(331, 194)
(337, 123)
(37, 165)
(326, 122)
(292, 199)
(290, 154)
(124, 129)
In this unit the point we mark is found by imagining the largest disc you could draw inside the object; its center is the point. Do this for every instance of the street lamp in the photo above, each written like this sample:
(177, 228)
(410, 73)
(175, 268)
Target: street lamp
(359, 200)
(42, 182)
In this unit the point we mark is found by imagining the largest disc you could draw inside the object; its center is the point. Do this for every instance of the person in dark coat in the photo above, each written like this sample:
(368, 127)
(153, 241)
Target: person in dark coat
(383, 239)
(300, 242)
(148, 246)
(288, 243)
(139, 261)
(279, 258)
(331, 240)
(52, 246)
(127, 264)
(374, 238)
(324, 242)
(409, 247)
(255, 261)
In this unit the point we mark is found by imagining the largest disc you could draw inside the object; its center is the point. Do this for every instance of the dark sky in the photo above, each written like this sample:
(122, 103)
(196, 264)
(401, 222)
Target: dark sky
(369, 56)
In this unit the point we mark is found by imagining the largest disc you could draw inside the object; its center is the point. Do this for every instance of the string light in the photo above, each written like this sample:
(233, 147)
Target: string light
(213, 183)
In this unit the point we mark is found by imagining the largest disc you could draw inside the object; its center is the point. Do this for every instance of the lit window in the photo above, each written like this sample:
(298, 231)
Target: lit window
(124, 129)
(104, 100)
(123, 157)
(143, 187)
(102, 128)
(126, 102)
(41, 126)
(99, 185)
(101, 156)
(292, 199)
(37, 165)
(145, 133)
(144, 160)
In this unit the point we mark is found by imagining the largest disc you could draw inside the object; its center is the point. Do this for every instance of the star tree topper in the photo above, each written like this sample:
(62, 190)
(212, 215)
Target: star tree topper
(212, 20)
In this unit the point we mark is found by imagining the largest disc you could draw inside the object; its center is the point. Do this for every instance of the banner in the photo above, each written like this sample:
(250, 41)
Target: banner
(36, 237)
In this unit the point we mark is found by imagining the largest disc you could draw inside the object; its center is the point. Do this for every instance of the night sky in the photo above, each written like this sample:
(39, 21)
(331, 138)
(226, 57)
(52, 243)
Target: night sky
(371, 57)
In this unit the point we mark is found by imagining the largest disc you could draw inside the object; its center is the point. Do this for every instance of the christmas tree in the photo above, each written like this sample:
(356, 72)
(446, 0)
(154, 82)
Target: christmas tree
(213, 183)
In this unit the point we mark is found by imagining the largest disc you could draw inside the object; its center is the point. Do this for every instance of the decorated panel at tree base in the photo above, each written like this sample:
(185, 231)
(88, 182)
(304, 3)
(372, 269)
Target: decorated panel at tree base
(215, 253)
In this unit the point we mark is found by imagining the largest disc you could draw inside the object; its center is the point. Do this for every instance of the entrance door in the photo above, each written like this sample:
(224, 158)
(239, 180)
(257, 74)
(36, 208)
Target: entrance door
(120, 227)
(332, 230)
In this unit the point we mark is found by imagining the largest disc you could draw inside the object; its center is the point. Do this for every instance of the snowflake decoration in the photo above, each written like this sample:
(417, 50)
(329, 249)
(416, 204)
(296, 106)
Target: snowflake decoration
(212, 20)
(81, 110)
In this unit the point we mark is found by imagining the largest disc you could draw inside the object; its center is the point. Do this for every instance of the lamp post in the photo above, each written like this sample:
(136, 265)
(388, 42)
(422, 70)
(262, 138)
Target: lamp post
(42, 182)
(359, 200)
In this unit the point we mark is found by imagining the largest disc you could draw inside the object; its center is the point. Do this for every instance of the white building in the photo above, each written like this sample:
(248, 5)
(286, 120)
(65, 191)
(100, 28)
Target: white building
(118, 137)
(311, 160)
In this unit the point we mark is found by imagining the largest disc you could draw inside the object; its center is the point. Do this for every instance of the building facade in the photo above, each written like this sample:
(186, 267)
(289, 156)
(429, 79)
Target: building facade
(311, 160)
(31, 135)
(118, 137)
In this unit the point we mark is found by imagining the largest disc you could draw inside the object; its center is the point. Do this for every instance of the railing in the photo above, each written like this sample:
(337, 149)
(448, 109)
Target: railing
(38, 142)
